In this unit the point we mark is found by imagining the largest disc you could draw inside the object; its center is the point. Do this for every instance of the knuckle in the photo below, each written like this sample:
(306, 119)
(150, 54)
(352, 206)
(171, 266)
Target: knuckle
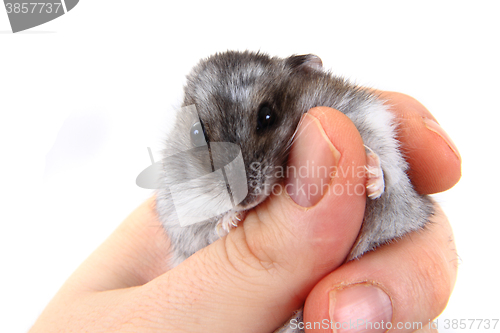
(433, 281)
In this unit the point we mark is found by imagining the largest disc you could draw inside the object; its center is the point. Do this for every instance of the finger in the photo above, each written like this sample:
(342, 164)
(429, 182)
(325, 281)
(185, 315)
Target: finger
(135, 253)
(261, 272)
(435, 163)
(406, 283)
(429, 328)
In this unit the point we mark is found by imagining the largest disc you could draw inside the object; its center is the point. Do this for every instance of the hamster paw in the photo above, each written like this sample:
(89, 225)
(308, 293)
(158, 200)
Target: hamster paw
(375, 184)
(228, 221)
(295, 320)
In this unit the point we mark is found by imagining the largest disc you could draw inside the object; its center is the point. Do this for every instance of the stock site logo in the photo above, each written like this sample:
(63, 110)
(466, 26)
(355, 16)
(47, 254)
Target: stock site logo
(205, 179)
(25, 14)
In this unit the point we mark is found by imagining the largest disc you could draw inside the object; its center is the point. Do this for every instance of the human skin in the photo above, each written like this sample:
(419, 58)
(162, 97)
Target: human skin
(284, 254)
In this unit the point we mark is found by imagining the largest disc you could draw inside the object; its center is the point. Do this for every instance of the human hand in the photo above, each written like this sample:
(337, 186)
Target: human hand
(252, 279)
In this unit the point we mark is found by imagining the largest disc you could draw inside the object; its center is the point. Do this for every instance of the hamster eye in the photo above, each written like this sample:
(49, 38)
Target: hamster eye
(265, 117)
(198, 135)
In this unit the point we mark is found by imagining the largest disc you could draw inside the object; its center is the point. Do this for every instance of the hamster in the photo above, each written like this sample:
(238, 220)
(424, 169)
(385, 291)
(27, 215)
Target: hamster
(254, 102)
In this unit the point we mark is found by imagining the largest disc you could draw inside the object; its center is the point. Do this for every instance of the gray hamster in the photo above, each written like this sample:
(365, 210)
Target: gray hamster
(255, 102)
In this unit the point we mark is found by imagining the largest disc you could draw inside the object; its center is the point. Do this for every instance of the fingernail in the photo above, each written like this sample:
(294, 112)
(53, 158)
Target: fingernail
(360, 308)
(434, 127)
(312, 163)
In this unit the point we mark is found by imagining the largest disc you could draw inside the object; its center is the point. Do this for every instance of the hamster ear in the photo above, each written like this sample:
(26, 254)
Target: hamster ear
(305, 62)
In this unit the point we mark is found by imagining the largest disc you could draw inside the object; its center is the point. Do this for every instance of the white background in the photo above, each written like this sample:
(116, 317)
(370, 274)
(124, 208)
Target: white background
(83, 96)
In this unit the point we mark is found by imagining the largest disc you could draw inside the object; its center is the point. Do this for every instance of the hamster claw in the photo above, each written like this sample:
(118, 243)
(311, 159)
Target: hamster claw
(375, 184)
(229, 220)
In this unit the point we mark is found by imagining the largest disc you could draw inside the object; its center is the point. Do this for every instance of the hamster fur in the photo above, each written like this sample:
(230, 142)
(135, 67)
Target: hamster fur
(229, 91)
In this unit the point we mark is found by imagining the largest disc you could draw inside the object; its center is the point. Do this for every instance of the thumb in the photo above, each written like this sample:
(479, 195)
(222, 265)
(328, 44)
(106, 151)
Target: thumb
(254, 278)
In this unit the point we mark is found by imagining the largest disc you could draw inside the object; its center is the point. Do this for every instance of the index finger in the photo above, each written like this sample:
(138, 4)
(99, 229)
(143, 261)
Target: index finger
(435, 163)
